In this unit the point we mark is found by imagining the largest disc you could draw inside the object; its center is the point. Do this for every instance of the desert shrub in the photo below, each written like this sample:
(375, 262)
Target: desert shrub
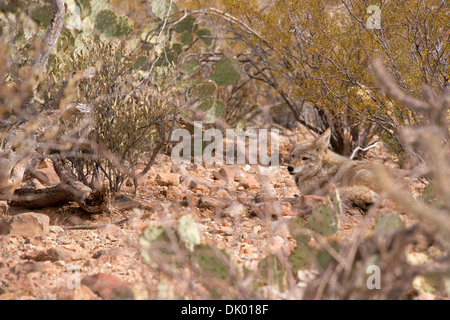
(320, 52)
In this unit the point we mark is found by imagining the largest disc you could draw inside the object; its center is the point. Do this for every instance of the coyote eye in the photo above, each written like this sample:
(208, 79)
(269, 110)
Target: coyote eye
(305, 158)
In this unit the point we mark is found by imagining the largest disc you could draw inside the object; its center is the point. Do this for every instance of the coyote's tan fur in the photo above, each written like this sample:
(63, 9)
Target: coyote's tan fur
(316, 168)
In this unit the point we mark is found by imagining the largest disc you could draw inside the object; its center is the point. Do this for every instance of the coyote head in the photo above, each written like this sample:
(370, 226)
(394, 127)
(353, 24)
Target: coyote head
(306, 157)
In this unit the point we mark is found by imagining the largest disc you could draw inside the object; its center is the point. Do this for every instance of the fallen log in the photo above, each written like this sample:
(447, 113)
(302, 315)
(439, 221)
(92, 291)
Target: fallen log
(91, 201)
(69, 189)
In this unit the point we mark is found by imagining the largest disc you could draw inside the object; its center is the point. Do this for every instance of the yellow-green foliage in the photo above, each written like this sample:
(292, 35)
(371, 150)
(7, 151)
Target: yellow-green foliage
(331, 61)
(321, 51)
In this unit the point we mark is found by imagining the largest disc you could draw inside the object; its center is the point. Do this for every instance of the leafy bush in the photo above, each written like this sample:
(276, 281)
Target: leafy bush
(319, 53)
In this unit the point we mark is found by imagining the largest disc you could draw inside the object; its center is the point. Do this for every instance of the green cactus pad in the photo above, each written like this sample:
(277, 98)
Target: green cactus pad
(204, 90)
(188, 231)
(186, 38)
(295, 227)
(324, 220)
(205, 256)
(111, 24)
(190, 67)
(225, 74)
(42, 15)
(300, 258)
(388, 222)
(187, 24)
(160, 8)
(205, 36)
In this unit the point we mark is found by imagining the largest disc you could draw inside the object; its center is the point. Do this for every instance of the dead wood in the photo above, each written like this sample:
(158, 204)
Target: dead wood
(69, 189)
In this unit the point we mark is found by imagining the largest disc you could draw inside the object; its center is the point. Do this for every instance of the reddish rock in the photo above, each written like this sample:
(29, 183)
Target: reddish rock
(52, 254)
(189, 200)
(223, 194)
(249, 182)
(29, 224)
(212, 203)
(228, 172)
(200, 184)
(107, 286)
(172, 193)
(168, 179)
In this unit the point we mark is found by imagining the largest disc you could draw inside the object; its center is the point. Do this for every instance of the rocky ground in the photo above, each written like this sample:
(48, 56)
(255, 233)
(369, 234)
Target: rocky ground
(43, 257)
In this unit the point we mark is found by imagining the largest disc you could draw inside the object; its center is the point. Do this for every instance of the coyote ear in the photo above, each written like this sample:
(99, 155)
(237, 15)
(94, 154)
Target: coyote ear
(322, 142)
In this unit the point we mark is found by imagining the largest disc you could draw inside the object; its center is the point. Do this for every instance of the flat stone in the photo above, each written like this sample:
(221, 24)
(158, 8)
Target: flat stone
(29, 224)
(168, 179)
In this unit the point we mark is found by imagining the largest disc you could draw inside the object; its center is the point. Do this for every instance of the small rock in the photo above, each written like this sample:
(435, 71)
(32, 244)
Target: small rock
(52, 254)
(29, 224)
(57, 230)
(48, 173)
(107, 286)
(223, 194)
(249, 182)
(172, 193)
(27, 267)
(200, 184)
(190, 200)
(60, 263)
(181, 168)
(211, 203)
(168, 179)
(61, 253)
(235, 210)
(232, 172)
(268, 209)
(286, 209)
(280, 227)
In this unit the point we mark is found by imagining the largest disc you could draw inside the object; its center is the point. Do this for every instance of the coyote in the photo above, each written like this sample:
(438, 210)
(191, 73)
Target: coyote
(316, 168)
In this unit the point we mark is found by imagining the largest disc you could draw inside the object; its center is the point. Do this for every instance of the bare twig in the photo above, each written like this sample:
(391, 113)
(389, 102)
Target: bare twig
(363, 149)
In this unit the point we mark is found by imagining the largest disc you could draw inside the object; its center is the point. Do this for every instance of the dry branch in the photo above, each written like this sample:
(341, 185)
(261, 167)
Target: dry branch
(70, 189)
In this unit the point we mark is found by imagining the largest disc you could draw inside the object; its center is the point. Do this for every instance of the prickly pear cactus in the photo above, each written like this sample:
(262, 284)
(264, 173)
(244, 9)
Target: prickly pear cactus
(206, 257)
(151, 239)
(388, 222)
(205, 36)
(324, 220)
(204, 89)
(188, 231)
(213, 108)
(324, 257)
(160, 8)
(225, 74)
(190, 68)
(271, 271)
(110, 24)
(300, 258)
(296, 227)
(98, 5)
(185, 25)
